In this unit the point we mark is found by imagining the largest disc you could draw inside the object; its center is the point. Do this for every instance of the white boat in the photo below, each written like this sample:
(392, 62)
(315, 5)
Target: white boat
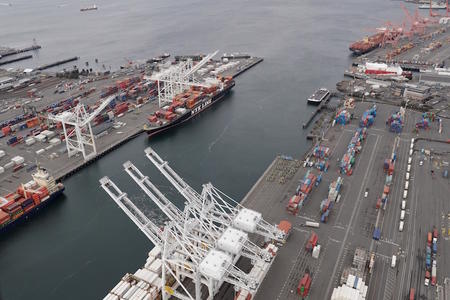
(434, 5)
(93, 7)
(318, 96)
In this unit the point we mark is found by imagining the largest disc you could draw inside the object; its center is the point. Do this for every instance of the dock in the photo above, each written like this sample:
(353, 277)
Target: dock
(57, 63)
(9, 52)
(10, 61)
(55, 158)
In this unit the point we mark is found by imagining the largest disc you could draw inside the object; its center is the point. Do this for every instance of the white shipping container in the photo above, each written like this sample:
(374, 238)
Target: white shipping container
(408, 169)
(312, 224)
(405, 194)
(30, 141)
(111, 297)
(316, 252)
(402, 215)
(18, 160)
(400, 226)
(155, 252)
(40, 137)
(406, 185)
(40, 151)
(394, 261)
(130, 292)
(410, 152)
(55, 141)
(48, 147)
(2, 170)
(156, 266)
(403, 205)
(48, 134)
(8, 165)
(409, 160)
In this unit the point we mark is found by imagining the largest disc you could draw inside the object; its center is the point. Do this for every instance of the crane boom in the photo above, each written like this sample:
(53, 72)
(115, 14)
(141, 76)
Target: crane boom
(191, 222)
(214, 205)
(99, 109)
(200, 64)
(150, 230)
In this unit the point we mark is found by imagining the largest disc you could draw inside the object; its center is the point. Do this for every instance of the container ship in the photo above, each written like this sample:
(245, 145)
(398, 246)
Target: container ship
(318, 96)
(367, 44)
(187, 105)
(29, 199)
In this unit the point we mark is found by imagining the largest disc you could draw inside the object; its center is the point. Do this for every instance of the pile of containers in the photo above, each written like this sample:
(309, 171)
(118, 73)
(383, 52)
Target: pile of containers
(321, 152)
(354, 147)
(395, 122)
(145, 283)
(423, 124)
(355, 288)
(368, 117)
(327, 204)
(312, 242)
(297, 201)
(14, 205)
(342, 117)
(430, 260)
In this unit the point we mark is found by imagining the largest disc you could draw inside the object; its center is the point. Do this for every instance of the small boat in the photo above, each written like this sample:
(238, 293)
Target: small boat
(93, 7)
(318, 96)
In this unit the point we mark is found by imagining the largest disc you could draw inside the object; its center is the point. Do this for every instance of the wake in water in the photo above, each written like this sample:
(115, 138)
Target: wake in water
(211, 145)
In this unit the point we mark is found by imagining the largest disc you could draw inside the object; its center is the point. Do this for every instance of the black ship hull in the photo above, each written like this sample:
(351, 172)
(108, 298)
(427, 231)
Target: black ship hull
(152, 131)
(32, 212)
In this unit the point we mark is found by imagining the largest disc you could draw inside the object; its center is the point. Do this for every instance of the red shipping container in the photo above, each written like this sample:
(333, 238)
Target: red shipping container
(36, 199)
(3, 217)
(6, 130)
(29, 207)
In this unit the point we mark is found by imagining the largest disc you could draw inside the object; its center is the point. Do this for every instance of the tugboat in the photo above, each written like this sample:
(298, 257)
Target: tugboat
(93, 7)
(318, 96)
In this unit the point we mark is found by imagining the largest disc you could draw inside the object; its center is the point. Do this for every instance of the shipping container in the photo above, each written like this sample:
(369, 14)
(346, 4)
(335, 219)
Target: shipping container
(402, 215)
(393, 261)
(376, 234)
(312, 224)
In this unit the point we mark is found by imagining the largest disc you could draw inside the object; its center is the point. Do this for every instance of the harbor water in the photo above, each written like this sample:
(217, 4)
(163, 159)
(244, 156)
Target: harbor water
(81, 246)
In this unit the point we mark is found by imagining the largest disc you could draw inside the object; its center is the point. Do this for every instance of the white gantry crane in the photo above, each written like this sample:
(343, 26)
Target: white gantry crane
(80, 137)
(228, 239)
(211, 205)
(184, 253)
(177, 78)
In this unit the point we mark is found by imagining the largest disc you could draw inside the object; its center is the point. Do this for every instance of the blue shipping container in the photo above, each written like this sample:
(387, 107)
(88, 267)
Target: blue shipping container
(376, 234)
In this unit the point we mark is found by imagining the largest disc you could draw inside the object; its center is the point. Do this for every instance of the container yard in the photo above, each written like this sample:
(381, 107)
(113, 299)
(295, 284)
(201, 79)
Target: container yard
(344, 235)
(117, 105)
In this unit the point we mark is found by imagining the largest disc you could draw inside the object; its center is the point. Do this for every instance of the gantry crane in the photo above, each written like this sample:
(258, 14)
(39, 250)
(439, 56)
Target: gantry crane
(191, 222)
(183, 255)
(213, 207)
(177, 78)
(80, 138)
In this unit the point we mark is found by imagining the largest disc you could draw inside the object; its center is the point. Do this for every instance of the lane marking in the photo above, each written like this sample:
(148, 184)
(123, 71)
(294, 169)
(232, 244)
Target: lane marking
(355, 208)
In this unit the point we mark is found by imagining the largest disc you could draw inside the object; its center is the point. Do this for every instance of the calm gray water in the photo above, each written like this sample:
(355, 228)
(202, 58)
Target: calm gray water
(80, 247)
